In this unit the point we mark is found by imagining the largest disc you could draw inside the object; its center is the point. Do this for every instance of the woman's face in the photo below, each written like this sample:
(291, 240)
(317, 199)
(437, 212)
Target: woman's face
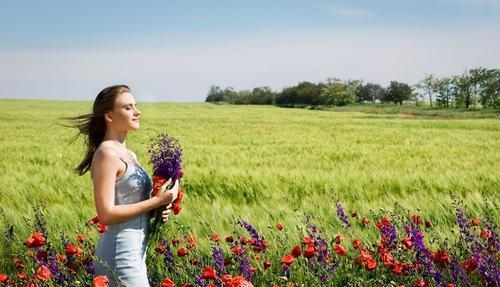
(125, 115)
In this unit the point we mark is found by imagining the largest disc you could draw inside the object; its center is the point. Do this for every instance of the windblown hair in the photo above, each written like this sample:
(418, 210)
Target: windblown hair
(93, 126)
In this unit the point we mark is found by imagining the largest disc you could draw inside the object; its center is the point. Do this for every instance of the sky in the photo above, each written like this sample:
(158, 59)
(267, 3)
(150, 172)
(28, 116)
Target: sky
(173, 51)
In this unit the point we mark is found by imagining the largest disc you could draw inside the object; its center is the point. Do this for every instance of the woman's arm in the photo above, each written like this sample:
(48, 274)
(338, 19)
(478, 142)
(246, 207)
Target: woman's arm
(104, 169)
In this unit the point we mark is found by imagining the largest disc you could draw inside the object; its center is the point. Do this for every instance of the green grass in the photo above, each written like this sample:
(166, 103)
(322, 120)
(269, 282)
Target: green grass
(261, 163)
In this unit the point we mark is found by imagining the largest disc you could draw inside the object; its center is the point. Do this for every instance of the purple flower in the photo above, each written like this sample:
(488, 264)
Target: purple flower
(166, 156)
(258, 240)
(218, 258)
(342, 216)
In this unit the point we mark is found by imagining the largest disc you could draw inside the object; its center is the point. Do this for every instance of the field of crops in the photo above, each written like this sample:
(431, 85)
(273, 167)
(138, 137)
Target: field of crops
(263, 164)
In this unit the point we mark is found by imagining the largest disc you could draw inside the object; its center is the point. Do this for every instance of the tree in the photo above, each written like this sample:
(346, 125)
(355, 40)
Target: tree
(338, 93)
(428, 85)
(463, 90)
(490, 95)
(369, 93)
(397, 93)
(262, 96)
(444, 91)
(215, 94)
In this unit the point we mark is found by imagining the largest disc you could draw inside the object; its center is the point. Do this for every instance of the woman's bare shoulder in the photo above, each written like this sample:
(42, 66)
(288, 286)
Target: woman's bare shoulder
(104, 154)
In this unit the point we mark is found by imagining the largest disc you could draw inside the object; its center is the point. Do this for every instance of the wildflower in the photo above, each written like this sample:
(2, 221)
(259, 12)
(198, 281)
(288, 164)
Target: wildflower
(356, 243)
(215, 237)
(100, 281)
(229, 239)
(339, 249)
(35, 240)
(279, 226)
(191, 240)
(475, 222)
(208, 273)
(288, 260)
(416, 219)
(338, 239)
(469, 264)
(102, 227)
(267, 264)
(486, 233)
(80, 238)
(309, 252)
(168, 283)
(427, 224)
(175, 241)
(364, 220)
(161, 249)
(407, 242)
(182, 252)
(3, 277)
(73, 250)
(296, 251)
(342, 216)
(43, 273)
(441, 257)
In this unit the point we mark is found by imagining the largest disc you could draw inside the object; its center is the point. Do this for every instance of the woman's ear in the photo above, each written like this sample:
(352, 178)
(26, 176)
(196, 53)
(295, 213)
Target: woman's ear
(107, 117)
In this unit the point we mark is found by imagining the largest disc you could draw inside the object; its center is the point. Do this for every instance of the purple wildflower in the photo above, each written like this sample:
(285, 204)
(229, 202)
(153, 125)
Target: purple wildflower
(258, 240)
(218, 258)
(342, 216)
(246, 269)
(166, 157)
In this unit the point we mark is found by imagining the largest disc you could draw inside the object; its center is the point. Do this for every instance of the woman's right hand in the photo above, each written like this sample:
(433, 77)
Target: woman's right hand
(168, 196)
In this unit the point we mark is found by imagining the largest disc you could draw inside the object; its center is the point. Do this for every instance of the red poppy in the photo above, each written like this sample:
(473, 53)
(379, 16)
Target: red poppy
(427, 224)
(370, 264)
(176, 205)
(287, 260)
(416, 219)
(18, 263)
(267, 264)
(227, 261)
(469, 264)
(21, 275)
(175, 241)
(229, 239)
(451, 285)
(441, 257)
(167, 283)
(35, 240)
(279, 226)
(3, 277)
(209, 273)
(102, 227)
(61, 257)
(387, 259)
(215, 237)
(73, 250)
(43, 273)
(100, 281)
(160, 249)
(96, 219)
(31, 283)
(364, 220)
(339, 249)
(356, 243)
(187, 285)
(385, 220)
(407, 242)
(158, 181)
(309, 252)
(236, 250)
(486, 233)
(420, 283)
(194, 261)
(80, 238)
(182, 252)
(397, 268)
(296, 251)
(191, 240)
(307, 241)
(475, 222)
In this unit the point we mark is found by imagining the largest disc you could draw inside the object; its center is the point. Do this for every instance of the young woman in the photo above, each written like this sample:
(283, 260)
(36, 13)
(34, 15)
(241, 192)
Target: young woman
(121, 187)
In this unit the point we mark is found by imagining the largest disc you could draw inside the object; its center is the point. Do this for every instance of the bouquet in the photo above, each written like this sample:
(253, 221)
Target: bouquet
(166, 156)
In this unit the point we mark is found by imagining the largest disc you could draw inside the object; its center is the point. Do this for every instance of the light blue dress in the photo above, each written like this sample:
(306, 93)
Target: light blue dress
(123, 246)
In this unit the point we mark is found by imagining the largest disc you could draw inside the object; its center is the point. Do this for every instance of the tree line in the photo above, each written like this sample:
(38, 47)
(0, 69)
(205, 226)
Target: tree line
(474, 88)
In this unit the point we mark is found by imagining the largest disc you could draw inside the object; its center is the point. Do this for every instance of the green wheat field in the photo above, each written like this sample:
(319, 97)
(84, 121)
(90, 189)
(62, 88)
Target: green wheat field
(265, 164)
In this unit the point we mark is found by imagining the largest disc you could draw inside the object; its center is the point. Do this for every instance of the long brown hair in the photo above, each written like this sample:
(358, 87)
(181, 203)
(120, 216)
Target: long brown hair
(93, 126)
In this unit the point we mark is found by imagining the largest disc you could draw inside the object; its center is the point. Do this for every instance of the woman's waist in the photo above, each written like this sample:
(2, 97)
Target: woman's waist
(137, 223)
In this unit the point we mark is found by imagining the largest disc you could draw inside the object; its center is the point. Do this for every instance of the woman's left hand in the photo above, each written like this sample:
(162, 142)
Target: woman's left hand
(166, 213)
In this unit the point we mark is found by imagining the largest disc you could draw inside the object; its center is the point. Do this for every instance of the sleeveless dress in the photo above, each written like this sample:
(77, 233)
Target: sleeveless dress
(121, 250)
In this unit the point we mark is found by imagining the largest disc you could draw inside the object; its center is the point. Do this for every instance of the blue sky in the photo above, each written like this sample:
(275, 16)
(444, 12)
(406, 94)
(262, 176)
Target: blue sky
(174, 50)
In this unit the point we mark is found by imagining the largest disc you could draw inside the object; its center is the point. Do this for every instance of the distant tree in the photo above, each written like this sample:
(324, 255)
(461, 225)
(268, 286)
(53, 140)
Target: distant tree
(463, 90)
(428, 86)
(490, 94)
(369, 92)
(444, 91)
(338, 93)
(287, 97)
(262, 96)
(230, 95)
(397, 93)
(215, 94)
(309, 93)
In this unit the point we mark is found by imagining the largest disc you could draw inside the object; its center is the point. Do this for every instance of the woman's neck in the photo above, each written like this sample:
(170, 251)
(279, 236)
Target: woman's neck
(117, 137)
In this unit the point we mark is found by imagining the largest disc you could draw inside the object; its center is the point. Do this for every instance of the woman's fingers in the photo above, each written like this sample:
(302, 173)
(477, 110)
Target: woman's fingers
(165, 214)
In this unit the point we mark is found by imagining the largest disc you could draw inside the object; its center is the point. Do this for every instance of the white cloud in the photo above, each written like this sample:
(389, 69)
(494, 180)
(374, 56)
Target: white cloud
(185, 72)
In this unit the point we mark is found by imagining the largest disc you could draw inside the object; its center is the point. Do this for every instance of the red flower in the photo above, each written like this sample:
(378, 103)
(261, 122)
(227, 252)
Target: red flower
(96, 219)
(194, 261)
(364, 220)
(441, 257)
(267, 264)
(73, 250)
(43, 273)
(175, 241)
(191, 240)
(469, 264)
(287, 260)
(416, 219)
(158, 181)
(387, 259)
(356, 243)
(102, 227)
(18, 263)
(215, 237)
(486, 233)
(427, 224)
(229, 239)
(307, 241)
(338, 239)
(3, 277)
(475, 222)
(31, 283)
(420, 283)
(296, 251)
(236, 250)
(451, 285)
(309, 252)
(187, 285)
(21, 275)
(161, 249)
(339, 249)
(168, 283)
(100, 281)
(61, 257)
(370, 264)
(208, 273)
(385, 220)
(354, 214)
(182, 252)
(80, 238)
(407, 242)
(35, 240)
(176, 205)
(279, 226)
(397, 268)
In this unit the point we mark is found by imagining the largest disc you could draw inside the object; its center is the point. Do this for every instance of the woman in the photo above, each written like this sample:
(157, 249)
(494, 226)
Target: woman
(121, 187)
